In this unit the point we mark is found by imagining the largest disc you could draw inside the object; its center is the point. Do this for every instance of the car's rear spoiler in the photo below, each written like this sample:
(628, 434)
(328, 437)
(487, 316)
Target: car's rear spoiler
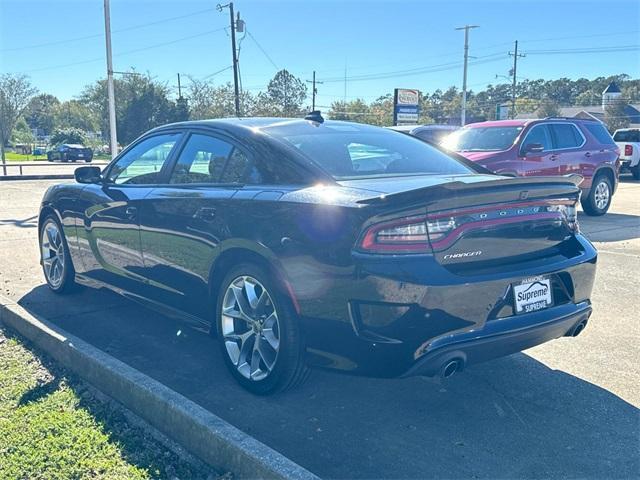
(570, 182)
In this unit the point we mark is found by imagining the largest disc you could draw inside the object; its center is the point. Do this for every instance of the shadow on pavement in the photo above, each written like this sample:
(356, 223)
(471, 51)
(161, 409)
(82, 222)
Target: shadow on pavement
(512, 417)
(30, 222)
(611, 227)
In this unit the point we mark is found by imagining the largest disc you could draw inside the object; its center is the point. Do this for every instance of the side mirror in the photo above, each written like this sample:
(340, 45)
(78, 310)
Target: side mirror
(88, 175)
(533, 148)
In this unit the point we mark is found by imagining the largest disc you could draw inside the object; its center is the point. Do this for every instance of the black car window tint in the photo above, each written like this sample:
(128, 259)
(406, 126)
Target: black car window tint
(627, 136)
(239, 169)
(143, 163)
(539, 134)
(202, 160)
(600, 133)
(565, 135)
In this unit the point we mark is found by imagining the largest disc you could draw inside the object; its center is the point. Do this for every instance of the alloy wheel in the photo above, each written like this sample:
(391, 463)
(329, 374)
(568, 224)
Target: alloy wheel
(250, 328)
(602, 195)
(52, 250)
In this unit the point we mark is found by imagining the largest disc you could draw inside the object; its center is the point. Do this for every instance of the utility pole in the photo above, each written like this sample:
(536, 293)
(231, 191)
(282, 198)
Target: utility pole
(314, 91)
(515, 56)
(179, 87)
(113, 135)
(234, 54)
(463, 113)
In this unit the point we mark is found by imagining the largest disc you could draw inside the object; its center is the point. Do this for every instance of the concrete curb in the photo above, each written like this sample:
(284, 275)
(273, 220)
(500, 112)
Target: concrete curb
(200, 432)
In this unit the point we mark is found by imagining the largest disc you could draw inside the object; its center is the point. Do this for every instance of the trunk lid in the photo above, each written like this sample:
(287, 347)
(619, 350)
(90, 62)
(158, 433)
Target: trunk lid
(485, 219)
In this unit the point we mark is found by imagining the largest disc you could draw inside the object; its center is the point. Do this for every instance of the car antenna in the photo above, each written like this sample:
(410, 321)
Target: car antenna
(314, 116)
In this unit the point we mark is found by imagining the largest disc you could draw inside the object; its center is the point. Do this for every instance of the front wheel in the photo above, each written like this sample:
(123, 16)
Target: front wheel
(598, 201)
(258, 333)
(55, 257)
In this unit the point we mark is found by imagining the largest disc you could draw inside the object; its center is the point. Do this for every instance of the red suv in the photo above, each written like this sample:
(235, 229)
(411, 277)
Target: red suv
(550, 146)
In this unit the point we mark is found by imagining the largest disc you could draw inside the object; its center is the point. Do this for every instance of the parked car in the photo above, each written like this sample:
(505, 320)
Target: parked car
(431, 133)
(325, 244)
(628, 140)
(551, 146)
(70, 153)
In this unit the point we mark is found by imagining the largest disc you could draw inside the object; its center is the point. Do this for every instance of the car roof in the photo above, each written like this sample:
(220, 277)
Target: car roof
(500, 123)
(248, 125)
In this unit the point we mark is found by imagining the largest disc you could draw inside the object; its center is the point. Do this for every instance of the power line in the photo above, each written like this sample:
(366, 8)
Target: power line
(572, 51)
(263, 50)
(128, 52)
(99, 35)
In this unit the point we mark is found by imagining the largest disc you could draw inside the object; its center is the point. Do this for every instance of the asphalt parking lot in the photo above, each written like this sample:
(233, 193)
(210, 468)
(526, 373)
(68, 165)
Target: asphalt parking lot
(568, 408)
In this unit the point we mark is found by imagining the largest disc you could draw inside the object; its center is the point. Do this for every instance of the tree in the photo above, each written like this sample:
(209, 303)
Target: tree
(74, 114)
(287, 94)
(15, 93)
(141, 104)
(353, 111)
(69, 135)
(40, 113)
(22, 133)
(547, 108)
(615, 115)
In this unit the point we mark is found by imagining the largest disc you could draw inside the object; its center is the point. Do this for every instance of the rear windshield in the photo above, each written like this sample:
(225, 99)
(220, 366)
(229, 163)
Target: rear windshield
(482, 139)
(601, 133)
(349, 151)
(627, 136)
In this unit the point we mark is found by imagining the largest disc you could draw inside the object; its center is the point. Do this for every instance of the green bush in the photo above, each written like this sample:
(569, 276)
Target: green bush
(69, 135)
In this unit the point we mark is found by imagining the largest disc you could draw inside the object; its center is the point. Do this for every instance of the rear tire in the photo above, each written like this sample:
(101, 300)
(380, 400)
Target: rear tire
(258, 333)
(54, 256)
(598, 201)
(635, 171)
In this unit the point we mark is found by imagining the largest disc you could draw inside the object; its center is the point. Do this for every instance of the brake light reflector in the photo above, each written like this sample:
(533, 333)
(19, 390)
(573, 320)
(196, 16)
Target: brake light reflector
(628, 150)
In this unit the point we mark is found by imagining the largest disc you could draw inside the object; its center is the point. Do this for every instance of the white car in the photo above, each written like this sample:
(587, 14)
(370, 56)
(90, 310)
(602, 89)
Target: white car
(628, 139)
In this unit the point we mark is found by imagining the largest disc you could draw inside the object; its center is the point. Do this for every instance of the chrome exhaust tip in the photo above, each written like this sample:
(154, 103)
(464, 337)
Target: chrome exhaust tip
(450, 368)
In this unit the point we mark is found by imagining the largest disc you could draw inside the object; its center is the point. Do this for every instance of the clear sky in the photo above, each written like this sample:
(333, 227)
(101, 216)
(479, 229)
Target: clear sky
(402, 43)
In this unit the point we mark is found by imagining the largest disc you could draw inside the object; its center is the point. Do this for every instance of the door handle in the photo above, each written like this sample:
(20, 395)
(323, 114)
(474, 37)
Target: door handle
(554, 157)
(131, 212)
(206, 214)
(587, 154)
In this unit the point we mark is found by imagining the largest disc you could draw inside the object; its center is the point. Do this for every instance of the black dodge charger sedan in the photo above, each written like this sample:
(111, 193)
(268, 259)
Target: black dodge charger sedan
(305, 243)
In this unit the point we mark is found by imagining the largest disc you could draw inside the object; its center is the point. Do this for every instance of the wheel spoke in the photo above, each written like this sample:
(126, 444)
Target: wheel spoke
(267, 353)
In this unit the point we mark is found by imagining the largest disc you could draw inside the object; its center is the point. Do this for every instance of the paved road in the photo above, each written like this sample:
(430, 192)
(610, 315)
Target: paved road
(568, 408)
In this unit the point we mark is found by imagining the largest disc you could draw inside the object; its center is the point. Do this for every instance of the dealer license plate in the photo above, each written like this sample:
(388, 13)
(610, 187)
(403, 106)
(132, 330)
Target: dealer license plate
(532, 295)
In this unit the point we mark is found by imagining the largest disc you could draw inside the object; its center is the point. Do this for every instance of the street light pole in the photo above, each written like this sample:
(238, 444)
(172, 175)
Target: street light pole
(113, 136)
(463, 113)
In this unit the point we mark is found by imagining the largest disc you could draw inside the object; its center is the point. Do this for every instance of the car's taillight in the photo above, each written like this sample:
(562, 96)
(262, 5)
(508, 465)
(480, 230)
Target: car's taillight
(628, 150)
(406, 235)
(402, 235)
(570, 214)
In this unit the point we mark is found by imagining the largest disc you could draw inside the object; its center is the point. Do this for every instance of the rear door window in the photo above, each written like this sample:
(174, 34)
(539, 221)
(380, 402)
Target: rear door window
(565, 135)
(601, 133)
(208, 159)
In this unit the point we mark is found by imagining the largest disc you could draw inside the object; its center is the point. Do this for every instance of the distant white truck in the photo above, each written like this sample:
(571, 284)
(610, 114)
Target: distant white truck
(628, 140)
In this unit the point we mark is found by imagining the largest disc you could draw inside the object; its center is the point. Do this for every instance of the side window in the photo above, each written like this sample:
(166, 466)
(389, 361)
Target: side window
(142, 164)
(601, 134)
(565, 135)
(207, 159)
(539, 134)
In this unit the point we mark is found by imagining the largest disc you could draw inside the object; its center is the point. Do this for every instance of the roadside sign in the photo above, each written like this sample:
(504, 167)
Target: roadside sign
(406, 106)
(502, 112)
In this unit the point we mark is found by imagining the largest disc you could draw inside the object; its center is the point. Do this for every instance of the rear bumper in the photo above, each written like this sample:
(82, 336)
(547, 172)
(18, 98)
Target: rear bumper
(401, 316)
(520, 333)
